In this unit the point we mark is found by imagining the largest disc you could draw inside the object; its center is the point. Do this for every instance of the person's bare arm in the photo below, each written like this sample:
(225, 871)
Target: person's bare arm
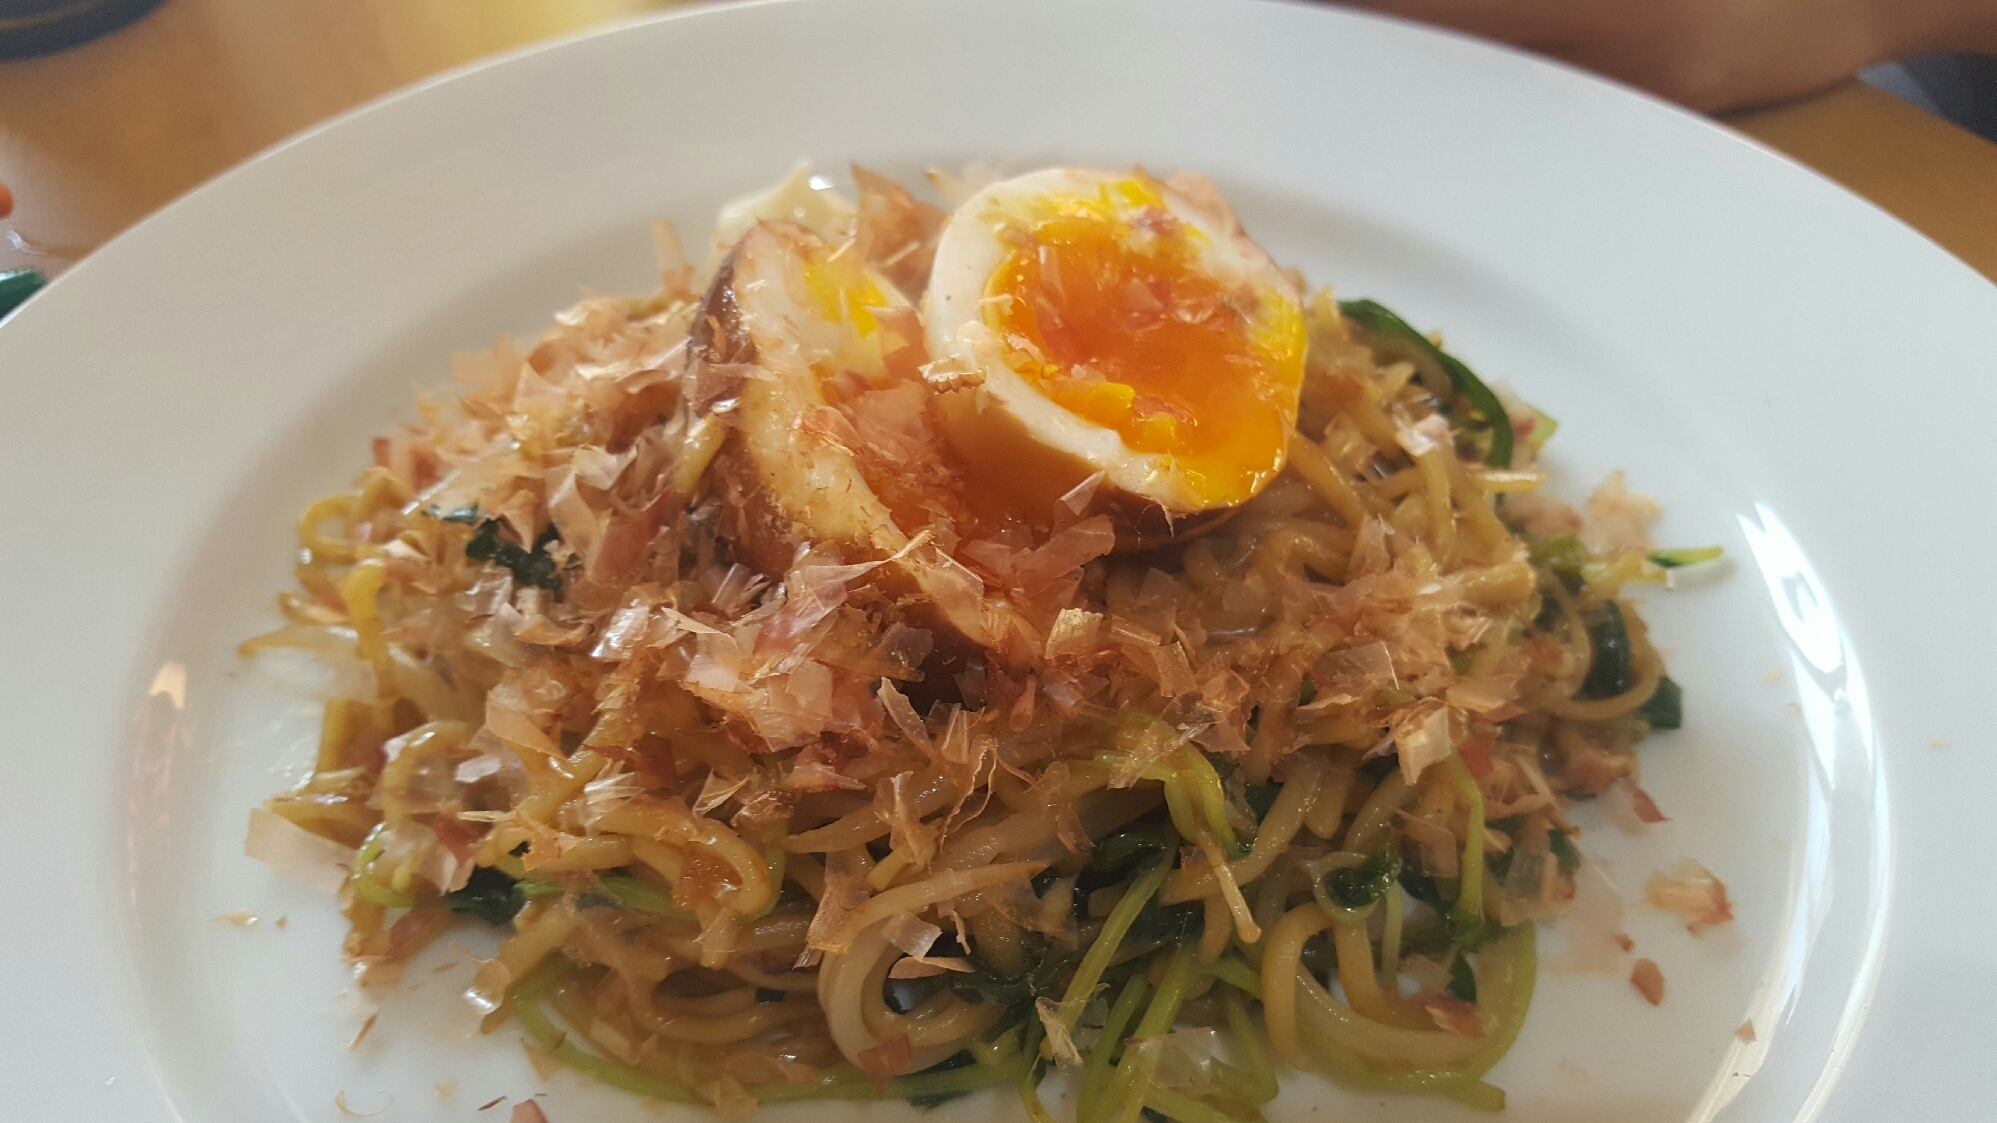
(1719, 54)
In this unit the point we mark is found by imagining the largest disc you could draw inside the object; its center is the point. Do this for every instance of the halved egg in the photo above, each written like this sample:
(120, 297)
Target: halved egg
(1121, 330)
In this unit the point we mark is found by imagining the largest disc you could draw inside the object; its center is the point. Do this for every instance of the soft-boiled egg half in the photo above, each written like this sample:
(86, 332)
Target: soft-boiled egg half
(1130, 346)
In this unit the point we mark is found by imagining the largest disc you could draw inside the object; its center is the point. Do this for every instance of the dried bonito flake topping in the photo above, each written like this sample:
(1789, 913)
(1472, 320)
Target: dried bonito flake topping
(1690, 891)
(1648, 980)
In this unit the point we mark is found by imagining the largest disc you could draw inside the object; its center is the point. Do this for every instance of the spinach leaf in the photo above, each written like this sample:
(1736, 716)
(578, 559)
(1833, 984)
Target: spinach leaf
(959, 1059)
(1609, 674)
(1124, 849)
(1666, 708)
(490, 895)
(1563, 851)
(1261, 797)
(1355, 887)
(1462, 980)
(17, 285)
(1164, 924)
(529, 567)
(1563, 555)
(985, 984)
(1375, 317)
(1422, 888)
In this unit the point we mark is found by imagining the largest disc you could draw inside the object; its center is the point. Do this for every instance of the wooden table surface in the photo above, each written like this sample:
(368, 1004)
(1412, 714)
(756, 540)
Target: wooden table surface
(95, 138)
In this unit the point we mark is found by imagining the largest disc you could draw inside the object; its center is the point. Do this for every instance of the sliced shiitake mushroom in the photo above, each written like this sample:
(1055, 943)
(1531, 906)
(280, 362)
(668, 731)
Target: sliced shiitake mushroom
(790, 326)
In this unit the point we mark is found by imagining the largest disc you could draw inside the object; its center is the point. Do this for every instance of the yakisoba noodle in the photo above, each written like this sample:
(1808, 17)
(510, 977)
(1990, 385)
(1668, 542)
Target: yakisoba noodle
(1292, 786)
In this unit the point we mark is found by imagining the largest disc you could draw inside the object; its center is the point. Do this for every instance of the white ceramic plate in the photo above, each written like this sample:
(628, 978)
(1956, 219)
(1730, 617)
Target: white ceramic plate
(1800, 378)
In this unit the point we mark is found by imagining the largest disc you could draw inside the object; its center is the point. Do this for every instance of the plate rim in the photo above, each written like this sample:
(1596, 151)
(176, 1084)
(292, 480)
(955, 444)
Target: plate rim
(248, 169)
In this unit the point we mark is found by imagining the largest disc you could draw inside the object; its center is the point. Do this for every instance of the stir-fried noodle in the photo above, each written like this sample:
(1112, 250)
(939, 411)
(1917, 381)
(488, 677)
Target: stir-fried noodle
(770, 817)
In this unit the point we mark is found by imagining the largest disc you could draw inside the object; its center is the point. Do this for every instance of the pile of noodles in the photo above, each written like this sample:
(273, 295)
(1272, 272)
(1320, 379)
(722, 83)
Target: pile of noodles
(754, 838)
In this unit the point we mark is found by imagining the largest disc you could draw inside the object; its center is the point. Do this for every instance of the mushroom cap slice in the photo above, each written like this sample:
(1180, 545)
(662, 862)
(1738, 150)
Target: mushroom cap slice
(791, 333)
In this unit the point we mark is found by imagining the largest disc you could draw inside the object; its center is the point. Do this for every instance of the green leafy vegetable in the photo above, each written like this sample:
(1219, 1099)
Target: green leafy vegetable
(1355, 887)
(639, 896)
(1462, 980)
(1375, 317)
(1499, 865)
(1666, 708)
(1125, 848)
(959, 1059)
(985, 984)
(463, 516)
(1261, 797)
(1164, 924)
(1422, 888)
(17, 285)
(936, 1081)
(1695, 555)
(1563, 851)
(951, 1063)
(1609, 674)
(529, 567)
(1563, 555)
(490, 895)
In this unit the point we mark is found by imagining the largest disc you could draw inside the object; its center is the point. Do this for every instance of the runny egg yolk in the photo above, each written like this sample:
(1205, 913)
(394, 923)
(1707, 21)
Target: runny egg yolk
(1109, 311)
(849, 348)
(841, 290)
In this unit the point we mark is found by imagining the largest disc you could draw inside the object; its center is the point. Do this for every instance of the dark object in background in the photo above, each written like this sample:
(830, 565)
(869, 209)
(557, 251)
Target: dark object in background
(16, 286)
(1958, 88)
(37, 27)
